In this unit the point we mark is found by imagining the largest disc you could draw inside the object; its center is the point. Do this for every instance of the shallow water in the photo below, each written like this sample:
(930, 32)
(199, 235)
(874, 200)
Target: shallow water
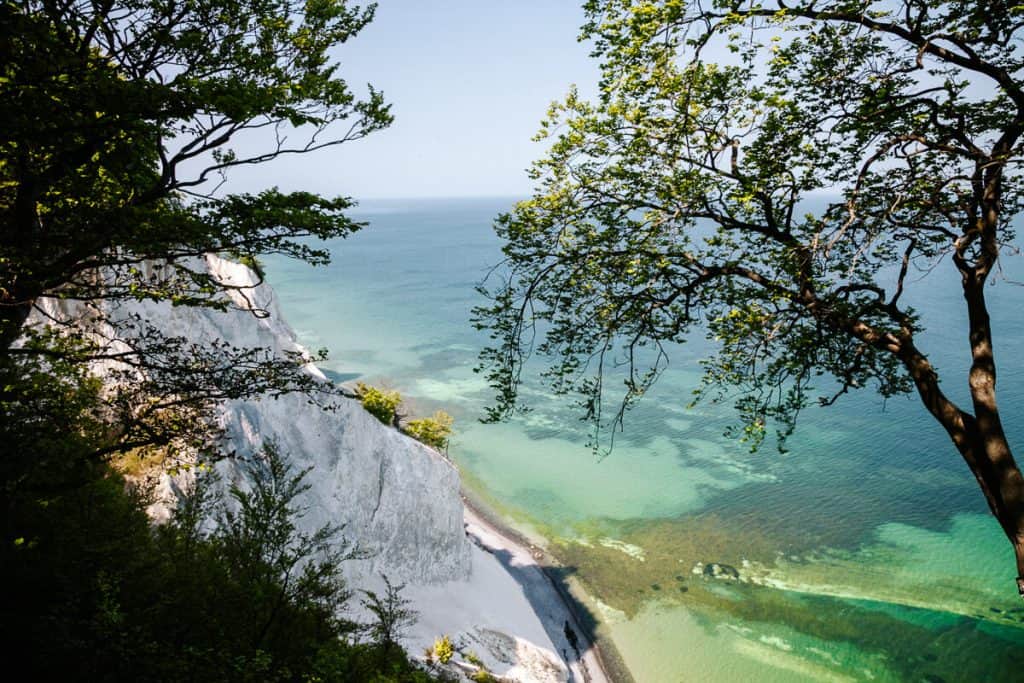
(865, 552)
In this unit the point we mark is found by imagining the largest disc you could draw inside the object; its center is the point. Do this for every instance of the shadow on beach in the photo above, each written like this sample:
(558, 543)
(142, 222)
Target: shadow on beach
(548, 587)
(570, 624)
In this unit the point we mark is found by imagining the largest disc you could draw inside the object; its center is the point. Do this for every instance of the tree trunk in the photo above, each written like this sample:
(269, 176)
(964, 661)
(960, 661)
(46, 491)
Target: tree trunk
(981, 443)
(989, 454)
(1018, 547)
(1003, 485)
(993, 460)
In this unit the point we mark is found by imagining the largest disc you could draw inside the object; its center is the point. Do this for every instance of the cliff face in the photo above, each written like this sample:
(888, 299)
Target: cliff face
(397, 499)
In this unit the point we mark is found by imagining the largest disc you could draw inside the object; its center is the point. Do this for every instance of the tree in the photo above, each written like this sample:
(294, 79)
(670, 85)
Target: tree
(230, 588)
(119, 117)
(392, 615)
(121, 121)
(685, 192)
(275, 566)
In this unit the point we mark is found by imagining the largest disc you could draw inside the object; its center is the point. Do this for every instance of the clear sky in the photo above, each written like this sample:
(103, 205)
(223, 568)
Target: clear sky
(469, 81)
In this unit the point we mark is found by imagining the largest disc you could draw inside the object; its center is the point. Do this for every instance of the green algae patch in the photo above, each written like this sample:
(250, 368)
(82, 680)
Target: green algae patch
(629, 568)
(626, 564)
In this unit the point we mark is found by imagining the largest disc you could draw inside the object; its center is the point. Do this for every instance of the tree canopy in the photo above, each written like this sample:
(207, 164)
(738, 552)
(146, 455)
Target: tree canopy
(121, 118)
(771, 172)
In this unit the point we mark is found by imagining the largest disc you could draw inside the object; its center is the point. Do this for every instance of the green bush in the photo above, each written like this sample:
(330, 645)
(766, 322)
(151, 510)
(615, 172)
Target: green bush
(433, 431)
(392, 615)
(444, 650)
(482, 676)
(379, 403)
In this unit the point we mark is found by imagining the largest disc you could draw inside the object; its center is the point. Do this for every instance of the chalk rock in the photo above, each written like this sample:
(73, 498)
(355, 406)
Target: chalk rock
(511, 658)
(397, 499)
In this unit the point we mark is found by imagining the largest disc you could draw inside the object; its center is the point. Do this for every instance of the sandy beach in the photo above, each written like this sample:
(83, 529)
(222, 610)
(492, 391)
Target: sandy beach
(556, 609)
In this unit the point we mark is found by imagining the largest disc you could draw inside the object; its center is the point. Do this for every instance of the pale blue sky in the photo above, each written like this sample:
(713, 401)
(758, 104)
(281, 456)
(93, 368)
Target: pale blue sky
(469, 81)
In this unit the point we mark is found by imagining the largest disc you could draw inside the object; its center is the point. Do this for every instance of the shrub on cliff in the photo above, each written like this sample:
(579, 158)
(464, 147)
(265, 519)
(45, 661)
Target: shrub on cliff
(444, 649)
(433, 431)
(392, 614)
(380, 403)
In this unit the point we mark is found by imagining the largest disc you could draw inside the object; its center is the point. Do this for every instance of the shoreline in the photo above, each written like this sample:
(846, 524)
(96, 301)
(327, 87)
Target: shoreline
(537, 572)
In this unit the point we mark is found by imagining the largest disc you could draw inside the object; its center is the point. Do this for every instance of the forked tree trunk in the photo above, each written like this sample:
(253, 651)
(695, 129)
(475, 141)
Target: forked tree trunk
(988, 453)
(979, 438)
(983, 446)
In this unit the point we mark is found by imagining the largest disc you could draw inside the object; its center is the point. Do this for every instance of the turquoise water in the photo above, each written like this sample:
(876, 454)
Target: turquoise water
(866, 551)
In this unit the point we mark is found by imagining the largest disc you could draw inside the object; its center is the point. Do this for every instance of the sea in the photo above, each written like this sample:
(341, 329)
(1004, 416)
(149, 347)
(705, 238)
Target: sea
(865, 551)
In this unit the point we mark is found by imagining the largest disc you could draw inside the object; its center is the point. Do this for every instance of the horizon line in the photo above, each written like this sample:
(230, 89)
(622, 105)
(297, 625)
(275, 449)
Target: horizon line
(377, 198)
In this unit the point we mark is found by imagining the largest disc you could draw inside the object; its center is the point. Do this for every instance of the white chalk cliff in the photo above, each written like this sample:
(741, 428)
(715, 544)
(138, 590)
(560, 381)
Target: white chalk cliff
(397, 499)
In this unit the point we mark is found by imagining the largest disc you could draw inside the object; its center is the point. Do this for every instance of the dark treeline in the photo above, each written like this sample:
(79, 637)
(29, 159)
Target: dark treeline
(230, 589)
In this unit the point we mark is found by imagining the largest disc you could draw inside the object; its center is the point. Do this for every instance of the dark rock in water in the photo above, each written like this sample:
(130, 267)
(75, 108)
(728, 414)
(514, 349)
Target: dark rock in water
(680, 577)
(683, 589)
(715, 570)
(655, 587)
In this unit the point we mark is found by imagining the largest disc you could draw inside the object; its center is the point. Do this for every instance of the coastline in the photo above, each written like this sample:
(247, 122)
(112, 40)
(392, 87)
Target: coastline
(549, 591)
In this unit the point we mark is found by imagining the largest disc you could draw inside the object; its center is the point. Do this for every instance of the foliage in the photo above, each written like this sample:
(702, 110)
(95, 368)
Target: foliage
(433, 431)
(140, 462)
(268, 556)
(392, 614)
(50, 415)
(380, 403)
(120, 122)
(228, 590)
(158, 391)
(771, 174)
(481, 674)
(444, 649)
(119, 118)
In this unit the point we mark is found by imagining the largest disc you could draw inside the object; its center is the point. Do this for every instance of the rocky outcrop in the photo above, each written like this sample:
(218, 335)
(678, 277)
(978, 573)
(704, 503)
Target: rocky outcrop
(517, 660)
(716, 570)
